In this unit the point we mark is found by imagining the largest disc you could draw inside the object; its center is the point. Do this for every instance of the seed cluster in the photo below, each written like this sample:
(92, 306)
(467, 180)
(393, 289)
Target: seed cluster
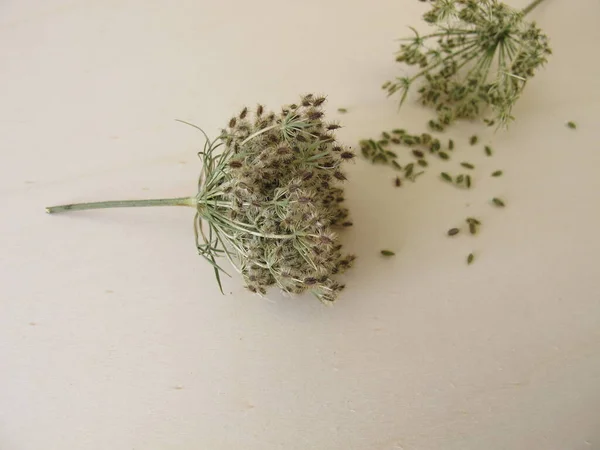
(273, 197)
(481, 55)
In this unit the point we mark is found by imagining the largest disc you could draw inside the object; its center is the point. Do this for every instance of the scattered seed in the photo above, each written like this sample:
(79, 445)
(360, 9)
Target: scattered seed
(470, 258)
(387, 253)
(467, 165)
(422, 163)
(474, 139)
(418, 153)
(342, 110)
(443, 155)
(497, 173)
(498, 202)
(446, 177)
(450, 144)
(572, 125)
(453, 231)
(488, 150)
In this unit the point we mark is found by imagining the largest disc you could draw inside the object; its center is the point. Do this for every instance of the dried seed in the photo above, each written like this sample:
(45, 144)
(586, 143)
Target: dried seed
(572, 125)
(383, 142)
(422, 163)
(473, 140)
(460, 179)
(396, 165)
(425, 138)
(498, 202)
(468, 181)
(473, 220)
(418, 153)
(488, 150)
(467, 165)
(497, 173)
(386, 135)
(453, 231)
(391, 154)
(408, 170)
(450, 144)
(387, 253)
(470, 258)
(395, 140)
(398, 182)
(399, 131)
(435, 145)
(342, 110)
(443, 155)
(446, 177)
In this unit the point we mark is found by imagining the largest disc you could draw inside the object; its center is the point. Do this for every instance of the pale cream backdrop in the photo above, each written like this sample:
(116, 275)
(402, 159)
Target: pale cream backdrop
(113, 334)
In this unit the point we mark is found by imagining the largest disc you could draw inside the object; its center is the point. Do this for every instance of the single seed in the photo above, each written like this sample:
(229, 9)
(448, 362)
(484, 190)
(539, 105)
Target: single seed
(381, 142)
(488, 150)
(418, 153)
(467, 165)
(395, 140)
(396, 165)
(398, 182)
(572, 125)
(443, 155)
(391, 154)
(342, 110)
(451, 144)
(473, 220)
(408, 170)
(468, 181)
(399, 131)
(425, 138)
(472, 228)
(422, 163)
(386, 135)
(474, 139)
(498, 202)
(446, 177)
(470, 258)
(387, 253)
(497, 173)
(435, 145)
(460, 179)
(453, 231)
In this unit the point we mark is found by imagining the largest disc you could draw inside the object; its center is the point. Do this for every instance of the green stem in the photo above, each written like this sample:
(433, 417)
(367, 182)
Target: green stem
(179, 201)
(531, 6)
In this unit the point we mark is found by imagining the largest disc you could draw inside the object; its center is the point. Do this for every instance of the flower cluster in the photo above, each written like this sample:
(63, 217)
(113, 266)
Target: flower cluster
(485, 54)
(272, 198)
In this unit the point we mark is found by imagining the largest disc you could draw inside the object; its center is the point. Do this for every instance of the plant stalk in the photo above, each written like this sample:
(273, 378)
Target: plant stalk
(531, 6)
(179, 201)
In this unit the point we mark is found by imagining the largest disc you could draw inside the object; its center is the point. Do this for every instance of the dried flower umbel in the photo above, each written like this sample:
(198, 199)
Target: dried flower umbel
(485, 54)
(269, 199)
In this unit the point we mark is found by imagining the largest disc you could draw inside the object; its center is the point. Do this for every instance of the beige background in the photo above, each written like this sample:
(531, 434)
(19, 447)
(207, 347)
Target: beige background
(112, 331)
